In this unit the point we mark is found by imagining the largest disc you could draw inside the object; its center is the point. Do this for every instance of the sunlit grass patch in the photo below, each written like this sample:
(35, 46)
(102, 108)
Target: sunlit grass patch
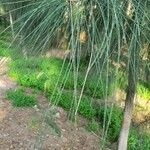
(143, 91)
(36, 73)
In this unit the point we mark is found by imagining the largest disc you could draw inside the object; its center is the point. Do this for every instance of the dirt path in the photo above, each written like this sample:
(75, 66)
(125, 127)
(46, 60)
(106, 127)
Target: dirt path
(27, 128)
(5, 84)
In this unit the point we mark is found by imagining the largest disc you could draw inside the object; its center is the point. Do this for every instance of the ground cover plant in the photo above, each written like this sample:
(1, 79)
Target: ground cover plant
(19, 98)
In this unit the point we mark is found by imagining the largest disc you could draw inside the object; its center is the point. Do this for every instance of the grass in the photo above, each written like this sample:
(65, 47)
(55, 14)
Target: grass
(138, 140)
(42, 73)
(114, 117)
(143, 90)
(92, 111)
(19, 98)
(65, 100)
(93, 126)
(4, 51)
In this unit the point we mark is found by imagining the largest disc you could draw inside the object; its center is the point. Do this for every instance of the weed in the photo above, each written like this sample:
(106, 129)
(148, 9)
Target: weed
(93, 126)
(20, 99)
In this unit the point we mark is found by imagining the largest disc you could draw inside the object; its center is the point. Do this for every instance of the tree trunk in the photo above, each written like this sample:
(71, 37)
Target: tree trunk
(129, 103)
(132, 76)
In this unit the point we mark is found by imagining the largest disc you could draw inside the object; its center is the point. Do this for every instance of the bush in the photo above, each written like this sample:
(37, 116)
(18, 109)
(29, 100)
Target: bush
(20, 99)
(42, 73)
(94, 87)
(65, 100)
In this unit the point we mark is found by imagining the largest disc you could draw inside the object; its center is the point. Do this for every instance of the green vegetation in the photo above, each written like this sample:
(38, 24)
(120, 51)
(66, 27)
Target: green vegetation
(113, 38)
(65, 100)
(4, 49)
(113, 115)
(20, 99)
(143, 90)
(39, 73)
(93, 126)
(138, 140)
(42, 74)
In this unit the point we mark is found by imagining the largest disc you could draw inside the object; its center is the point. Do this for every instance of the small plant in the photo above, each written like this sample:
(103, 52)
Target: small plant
(93, 126)
(20, 99)
(34, 123)
(39, 73)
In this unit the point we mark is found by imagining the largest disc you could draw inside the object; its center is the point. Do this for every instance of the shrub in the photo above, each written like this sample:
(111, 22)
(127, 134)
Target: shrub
(144, 142)
(42, 73)
(20, 99)
(94, 86)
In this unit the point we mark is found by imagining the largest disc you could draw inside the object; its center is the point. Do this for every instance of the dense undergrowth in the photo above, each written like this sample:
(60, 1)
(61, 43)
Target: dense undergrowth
(42, 74)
